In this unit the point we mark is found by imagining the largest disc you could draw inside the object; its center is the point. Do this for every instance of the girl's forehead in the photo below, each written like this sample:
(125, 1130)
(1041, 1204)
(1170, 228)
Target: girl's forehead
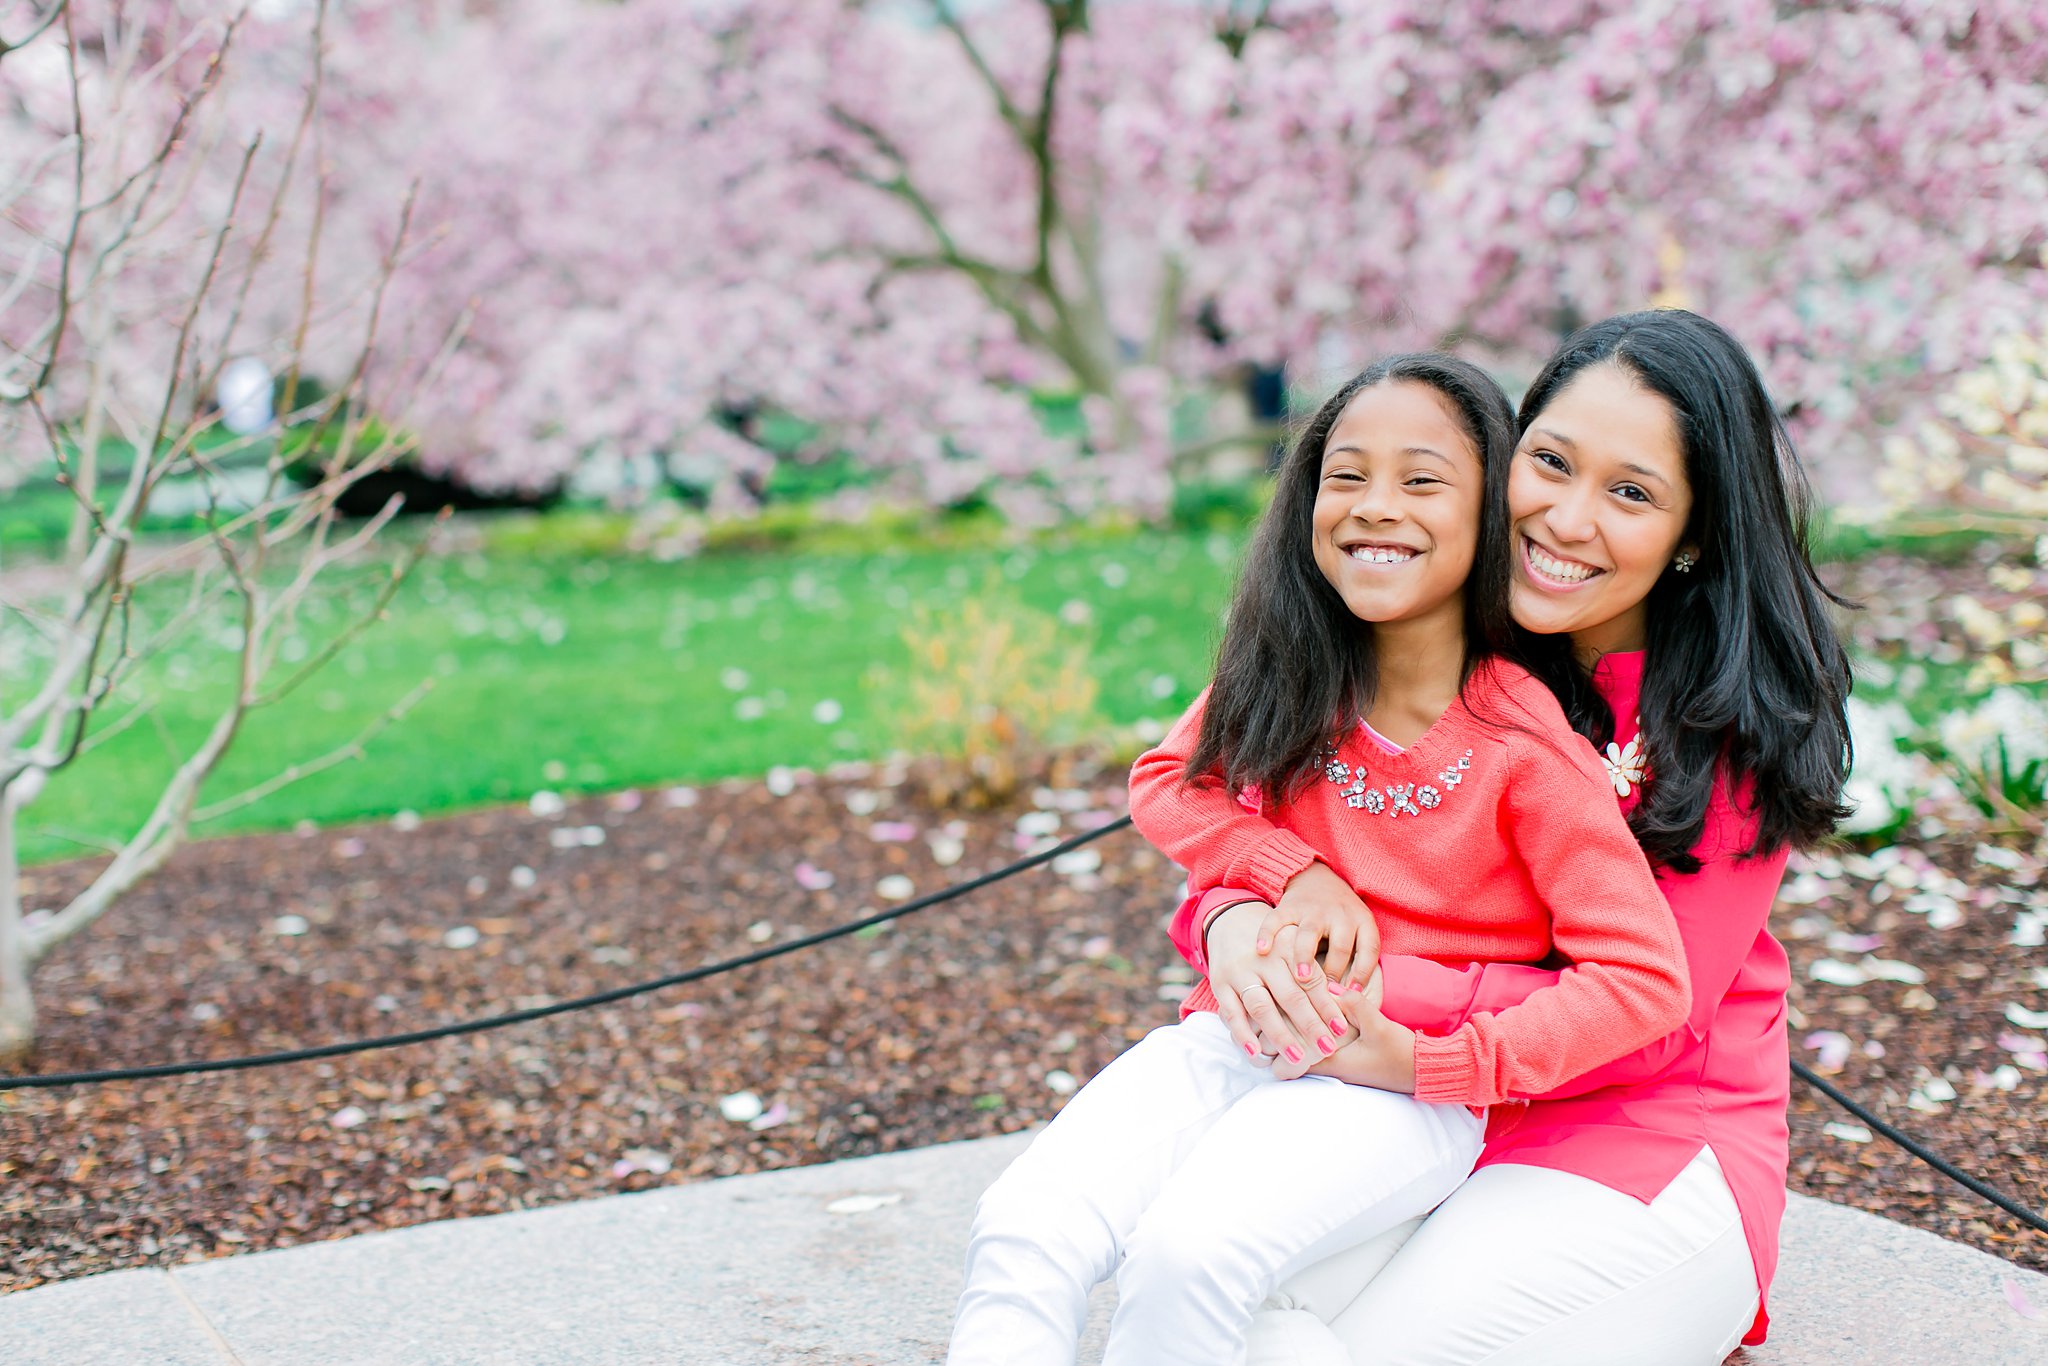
(1396, 415)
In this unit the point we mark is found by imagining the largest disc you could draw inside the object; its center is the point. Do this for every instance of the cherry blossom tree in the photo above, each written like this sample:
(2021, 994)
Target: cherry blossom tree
(904, 222)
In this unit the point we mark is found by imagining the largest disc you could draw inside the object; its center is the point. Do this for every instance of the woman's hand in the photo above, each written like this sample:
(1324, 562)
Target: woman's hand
(1382, 1053)
(1279, 1019)
(1326, 912)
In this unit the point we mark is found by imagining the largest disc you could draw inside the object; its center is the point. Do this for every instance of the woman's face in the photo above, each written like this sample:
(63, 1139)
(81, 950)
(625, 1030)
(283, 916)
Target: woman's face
(1599, 501)
(1397, 508)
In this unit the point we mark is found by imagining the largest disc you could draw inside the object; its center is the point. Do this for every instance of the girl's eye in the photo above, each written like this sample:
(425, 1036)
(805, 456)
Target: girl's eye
(1341, 477)
(1422, 481)
(1550, 460)
(1632, 492)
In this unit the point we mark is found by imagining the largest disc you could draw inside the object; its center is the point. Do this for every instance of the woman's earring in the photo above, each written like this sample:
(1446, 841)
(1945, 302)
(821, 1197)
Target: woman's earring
(1685, 561)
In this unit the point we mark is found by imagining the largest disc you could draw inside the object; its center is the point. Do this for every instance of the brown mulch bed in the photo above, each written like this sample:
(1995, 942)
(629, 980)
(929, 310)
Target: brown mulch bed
(960, 1022)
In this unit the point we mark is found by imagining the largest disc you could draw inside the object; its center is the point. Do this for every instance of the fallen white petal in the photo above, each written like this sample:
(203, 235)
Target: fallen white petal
(861, 1204)
(769, 1118)
(2024, 1018)
(1891, 970)
(1836, 973)
(741, 1107)
(461, 937)
(1061, 1082)
(1848, 1133)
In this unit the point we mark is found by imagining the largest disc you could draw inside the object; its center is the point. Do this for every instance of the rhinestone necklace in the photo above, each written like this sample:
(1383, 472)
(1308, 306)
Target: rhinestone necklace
(1395, 799)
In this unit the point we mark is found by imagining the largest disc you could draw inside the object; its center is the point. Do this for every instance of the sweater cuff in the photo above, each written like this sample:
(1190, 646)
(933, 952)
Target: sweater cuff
(1445, 1073)
(1275, 863)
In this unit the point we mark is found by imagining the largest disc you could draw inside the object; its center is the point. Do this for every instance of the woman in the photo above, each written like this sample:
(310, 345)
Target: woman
(1630, 1216)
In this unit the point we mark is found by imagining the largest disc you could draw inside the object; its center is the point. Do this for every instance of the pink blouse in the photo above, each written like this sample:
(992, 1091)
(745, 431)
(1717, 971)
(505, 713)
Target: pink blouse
(1632, 1125)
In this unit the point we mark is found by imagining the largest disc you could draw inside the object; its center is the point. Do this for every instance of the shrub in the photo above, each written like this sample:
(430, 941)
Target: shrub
(992, 691)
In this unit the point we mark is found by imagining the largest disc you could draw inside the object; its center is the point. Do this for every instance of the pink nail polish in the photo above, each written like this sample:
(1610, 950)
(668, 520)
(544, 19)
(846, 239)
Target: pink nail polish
(1337, 1025)
(1293, 1053)
(1301, 971)
(1323, 1042)
(1250, 1051)
(1265, 944)
(1353, 986)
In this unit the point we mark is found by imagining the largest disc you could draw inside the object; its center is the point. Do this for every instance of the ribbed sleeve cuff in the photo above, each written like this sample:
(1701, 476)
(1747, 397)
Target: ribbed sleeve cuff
(1445, 1072)
(1275, 863)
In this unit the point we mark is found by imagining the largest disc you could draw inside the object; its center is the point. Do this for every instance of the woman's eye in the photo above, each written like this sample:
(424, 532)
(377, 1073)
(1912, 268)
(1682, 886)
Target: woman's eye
(1632, 492)
(1550, 460)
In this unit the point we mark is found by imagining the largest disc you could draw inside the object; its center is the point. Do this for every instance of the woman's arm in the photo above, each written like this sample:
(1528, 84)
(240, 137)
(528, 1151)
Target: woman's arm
(1627, 984)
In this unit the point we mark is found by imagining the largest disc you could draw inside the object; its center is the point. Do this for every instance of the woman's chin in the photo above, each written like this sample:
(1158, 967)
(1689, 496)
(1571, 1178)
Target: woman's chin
(1542, 614)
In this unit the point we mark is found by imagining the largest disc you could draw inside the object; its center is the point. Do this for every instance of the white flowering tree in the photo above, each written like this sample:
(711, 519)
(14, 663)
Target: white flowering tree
(1985, 465)
(143, 226)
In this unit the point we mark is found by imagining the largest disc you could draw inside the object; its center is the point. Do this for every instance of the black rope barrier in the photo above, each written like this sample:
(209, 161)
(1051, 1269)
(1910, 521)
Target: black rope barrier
(597, 998)
(697, 974)
(1934, 1160)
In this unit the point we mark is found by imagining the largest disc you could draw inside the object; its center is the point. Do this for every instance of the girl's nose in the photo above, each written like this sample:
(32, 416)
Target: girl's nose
(1375, 502)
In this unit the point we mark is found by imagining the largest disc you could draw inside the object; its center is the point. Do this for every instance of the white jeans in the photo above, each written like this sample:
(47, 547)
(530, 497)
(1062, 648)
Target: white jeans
(1525, 1266)
(1210, 1182)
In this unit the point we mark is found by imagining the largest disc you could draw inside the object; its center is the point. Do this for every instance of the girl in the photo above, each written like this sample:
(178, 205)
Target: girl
(1632, 1216)
(1359, 721)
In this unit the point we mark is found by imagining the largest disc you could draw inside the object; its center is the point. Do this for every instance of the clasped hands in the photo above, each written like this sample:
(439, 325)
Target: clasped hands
(1298, 985)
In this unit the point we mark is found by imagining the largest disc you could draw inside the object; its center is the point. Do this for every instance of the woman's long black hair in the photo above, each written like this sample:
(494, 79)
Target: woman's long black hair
(1296, 669)
(1743, 666)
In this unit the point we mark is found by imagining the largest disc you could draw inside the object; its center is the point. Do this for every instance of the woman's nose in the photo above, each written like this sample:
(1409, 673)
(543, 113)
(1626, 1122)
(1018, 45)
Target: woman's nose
(1570, 515)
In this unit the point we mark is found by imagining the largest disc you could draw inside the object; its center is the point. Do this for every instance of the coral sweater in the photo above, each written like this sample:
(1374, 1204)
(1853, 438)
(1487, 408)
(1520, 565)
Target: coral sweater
(1634, 1124)
(1494, 837)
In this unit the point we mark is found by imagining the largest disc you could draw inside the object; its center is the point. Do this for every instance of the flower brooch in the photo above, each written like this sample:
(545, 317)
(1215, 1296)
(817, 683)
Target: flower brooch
(1626, 764)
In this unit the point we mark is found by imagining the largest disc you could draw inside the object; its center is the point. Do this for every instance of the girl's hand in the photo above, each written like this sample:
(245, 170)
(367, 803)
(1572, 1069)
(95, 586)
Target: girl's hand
(1325, 911)
(1278, 1019)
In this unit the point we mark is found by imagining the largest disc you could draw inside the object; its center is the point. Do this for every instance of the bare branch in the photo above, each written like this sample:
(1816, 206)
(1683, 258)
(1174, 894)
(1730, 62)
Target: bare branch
(352, 750)
(36, 28)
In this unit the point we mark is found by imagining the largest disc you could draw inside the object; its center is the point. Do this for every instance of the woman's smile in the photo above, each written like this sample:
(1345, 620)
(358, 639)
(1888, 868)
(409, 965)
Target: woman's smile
(1545, 569)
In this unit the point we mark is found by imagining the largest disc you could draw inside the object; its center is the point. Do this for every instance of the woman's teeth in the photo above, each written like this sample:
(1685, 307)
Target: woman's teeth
(1374, 554)
(1551, 567)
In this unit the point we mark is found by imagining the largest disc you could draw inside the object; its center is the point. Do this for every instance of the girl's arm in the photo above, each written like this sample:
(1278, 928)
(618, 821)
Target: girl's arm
(1202, 827)
(1627, 985)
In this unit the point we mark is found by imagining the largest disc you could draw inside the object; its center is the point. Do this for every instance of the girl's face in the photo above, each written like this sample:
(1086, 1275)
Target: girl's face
(1397, 509)
(1599, 502)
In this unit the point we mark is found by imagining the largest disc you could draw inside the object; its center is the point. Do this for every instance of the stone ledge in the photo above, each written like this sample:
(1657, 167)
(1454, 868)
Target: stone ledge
(848, 1262)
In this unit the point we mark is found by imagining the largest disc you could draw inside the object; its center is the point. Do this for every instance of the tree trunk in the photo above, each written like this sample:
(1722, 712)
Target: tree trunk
(17, 1003)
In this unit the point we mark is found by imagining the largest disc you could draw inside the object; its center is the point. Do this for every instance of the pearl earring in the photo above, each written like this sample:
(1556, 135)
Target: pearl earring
(1685, 561)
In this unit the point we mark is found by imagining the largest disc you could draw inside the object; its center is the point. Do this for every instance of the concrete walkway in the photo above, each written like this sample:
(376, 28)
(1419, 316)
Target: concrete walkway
(851, 1262)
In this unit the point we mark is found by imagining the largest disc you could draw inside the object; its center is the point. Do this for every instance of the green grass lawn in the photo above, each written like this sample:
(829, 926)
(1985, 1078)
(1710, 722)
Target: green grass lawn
(582, 670)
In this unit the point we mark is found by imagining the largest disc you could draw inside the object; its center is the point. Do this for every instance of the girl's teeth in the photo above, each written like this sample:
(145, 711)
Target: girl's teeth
(1371, 555)
(1558, 569)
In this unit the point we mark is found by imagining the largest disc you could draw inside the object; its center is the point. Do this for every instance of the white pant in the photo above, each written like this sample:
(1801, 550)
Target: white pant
(1210, 1181)
(1524, 1266)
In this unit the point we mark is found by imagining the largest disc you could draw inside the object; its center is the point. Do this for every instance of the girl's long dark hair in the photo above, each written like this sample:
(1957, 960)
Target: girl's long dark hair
(1743, 667)
(1296, 669)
